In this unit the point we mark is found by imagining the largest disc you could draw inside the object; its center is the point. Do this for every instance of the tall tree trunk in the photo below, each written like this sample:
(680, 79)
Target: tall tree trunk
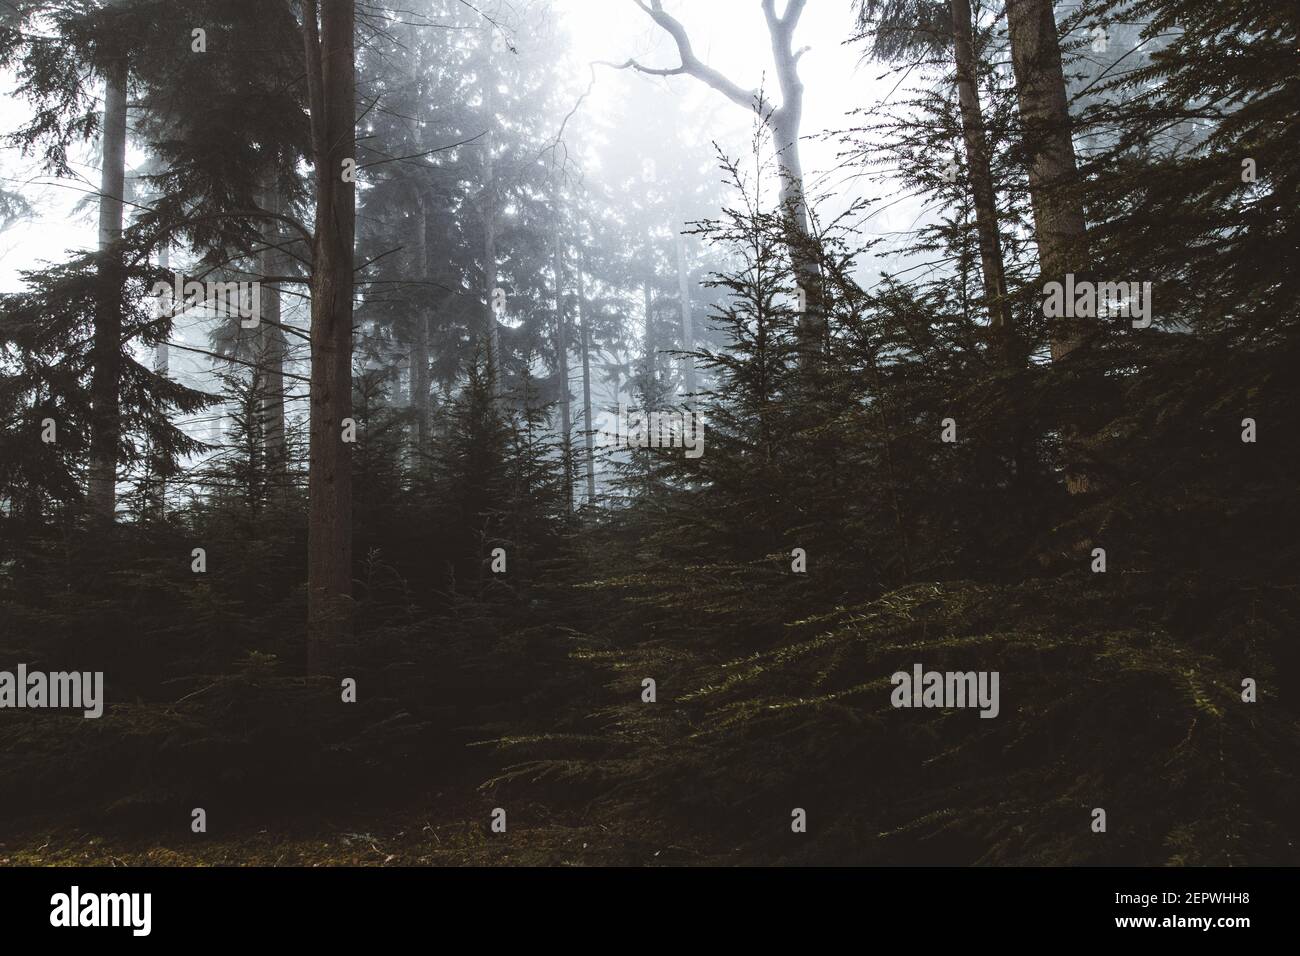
(420, 398)
(272, 347)
(162, 354)
(684, 300)
(161, 365)
(783, 124)
(105, 423)
(332, 83)
(1059, 224)
(981, 175)
(489, 290)
(490, 242)
(586, 388)
(562, 370)
(651, 359)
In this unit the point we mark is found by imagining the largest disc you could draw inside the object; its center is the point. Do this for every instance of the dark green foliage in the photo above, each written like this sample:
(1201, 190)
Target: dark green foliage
(1099, 709)
(1120, 690)
(46, 333)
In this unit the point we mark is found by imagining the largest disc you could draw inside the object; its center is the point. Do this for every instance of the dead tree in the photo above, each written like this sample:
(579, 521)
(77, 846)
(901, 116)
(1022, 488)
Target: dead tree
(782, 122)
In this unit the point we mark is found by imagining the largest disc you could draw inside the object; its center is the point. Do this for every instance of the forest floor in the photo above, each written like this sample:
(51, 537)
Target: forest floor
(412, 839)
(442, 830)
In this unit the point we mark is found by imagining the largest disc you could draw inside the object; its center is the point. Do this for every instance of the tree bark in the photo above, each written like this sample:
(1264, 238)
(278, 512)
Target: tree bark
(489, 209)
(651, 359)
(272, 347)
(562, 368)
(420, 398)
(586, 389)
(783, 125)
(684, 301)
(161, 367)
(489, 290)
(162, 354)
(1059, 224)
(105, 424)
(332, 84)
(978, 162)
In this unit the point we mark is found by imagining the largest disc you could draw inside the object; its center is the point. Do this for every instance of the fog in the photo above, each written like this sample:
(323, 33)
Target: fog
(729, 35)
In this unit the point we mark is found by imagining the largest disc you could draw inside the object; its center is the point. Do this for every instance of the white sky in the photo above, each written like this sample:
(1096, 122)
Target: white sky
(729, 35)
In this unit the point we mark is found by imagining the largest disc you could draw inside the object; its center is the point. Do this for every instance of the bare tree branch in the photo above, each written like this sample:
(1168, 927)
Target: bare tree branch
(691, 65)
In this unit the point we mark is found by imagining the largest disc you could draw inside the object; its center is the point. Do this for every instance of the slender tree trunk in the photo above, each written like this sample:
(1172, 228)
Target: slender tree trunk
(586, 389)
(161, 363)
(332, 76)
(420, 399)
(981, 174)
(490, 243)
(105, 424)
(684, 300)
(993, 267)
(562, 363)
(272, 347)
(784, 128)
(784, 125)
(1059, 224)
(489, 291)
(651, 359)
(162, 354)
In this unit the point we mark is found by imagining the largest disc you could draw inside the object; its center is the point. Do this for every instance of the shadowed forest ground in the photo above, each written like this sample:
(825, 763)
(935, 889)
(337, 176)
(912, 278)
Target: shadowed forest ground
(439, 831)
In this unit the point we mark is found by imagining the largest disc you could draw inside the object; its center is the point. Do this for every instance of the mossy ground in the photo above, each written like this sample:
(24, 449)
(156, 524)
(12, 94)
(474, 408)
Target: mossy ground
(444, 830)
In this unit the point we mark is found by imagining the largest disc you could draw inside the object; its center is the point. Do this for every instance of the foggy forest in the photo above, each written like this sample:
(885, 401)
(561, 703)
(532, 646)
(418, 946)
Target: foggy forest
(649, 432)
